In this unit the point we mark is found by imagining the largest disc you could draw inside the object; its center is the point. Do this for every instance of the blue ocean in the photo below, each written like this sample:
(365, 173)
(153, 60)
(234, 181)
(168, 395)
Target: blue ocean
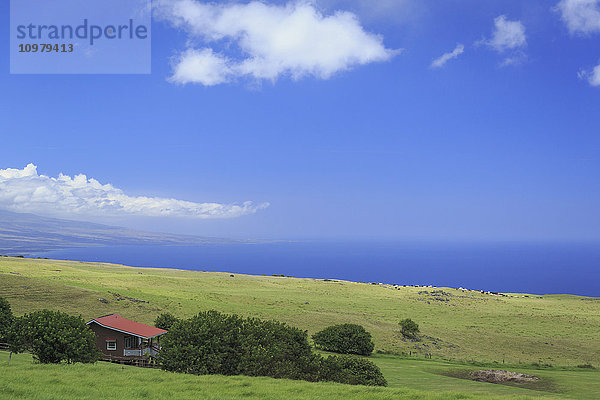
(538, 268)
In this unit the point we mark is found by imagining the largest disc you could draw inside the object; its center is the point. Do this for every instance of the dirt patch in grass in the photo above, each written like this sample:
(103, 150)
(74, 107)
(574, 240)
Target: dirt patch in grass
(502, 377)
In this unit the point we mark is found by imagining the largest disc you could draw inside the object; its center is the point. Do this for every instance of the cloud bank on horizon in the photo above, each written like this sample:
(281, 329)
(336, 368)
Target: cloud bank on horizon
(24, 190)
(266, 41)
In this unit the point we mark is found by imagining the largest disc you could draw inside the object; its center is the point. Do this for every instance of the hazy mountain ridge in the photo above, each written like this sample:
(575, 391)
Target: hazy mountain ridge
(22, 233)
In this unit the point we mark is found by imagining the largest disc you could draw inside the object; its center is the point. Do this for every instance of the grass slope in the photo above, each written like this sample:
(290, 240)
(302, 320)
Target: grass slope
(558, 330)
(468, 326)
(22, 379)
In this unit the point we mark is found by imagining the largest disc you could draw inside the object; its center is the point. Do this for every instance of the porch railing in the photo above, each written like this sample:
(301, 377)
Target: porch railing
(151, 350)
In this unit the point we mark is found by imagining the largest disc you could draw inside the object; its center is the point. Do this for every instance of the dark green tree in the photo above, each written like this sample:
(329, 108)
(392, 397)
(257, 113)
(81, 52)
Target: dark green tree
(208, 343)
(352, 370)
(6, 319)
(53, 336)
(215, 343)
(344, 339)
(272, 348)
(409, 328)
(165, 321)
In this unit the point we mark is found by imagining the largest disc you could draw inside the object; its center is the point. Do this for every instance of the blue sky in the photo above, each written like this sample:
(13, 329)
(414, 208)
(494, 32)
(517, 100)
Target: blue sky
(386, 147)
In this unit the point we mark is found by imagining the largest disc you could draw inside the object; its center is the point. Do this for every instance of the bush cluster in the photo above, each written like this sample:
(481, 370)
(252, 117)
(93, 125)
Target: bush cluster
(6, 319)
(53, 337)
(344, 339)
(165, 321)
(353, 371)
(216, 343)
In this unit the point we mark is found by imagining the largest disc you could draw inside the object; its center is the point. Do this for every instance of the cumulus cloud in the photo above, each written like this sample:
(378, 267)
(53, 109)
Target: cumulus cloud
(508, 38)
(201, 66)
(264, 42)
(592, 77)
(580, 16)
(24, 190)
(507, 35)
(444, 58)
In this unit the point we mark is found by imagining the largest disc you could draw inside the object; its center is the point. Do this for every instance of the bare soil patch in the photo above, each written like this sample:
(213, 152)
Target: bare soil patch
(501, 376)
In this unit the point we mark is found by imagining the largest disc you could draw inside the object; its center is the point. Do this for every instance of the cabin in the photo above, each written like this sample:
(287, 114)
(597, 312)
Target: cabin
(120, 338)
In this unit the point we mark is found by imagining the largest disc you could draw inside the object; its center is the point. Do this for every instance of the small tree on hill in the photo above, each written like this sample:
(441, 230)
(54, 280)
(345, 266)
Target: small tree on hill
(6, 319)
(409, 328)
(344, 339)
(53, 336)
(165, 321)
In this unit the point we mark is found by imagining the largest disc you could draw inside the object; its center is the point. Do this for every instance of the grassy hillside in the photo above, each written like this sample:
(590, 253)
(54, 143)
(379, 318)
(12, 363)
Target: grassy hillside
(558, 330)
(458, 325)
(23, 379)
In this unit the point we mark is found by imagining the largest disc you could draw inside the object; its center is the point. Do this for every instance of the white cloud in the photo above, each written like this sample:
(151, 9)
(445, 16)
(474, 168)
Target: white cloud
(515, 59)
(24, 190)
(265, 41)
(593, 76)
(201, 66)
(580, 16)
(508, 35)
(444, 58)
(508, 38)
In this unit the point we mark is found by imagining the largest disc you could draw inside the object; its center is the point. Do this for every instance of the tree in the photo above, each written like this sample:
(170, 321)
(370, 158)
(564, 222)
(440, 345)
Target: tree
(165, 321)
(352, 371)
(344, 339)
(6, 319)
(272, 348)
(53, 336)
(208, 343)
(409, 328)
(215, 343)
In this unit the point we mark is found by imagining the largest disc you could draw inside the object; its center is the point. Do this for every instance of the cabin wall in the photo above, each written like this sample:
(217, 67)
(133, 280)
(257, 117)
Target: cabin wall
(102, 334)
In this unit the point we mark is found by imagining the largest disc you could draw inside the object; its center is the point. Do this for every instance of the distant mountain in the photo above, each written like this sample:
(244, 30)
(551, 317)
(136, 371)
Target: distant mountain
(29, 233)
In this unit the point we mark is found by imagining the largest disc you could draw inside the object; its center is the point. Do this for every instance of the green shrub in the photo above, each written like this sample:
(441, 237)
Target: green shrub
(215, 343)
(53, 336)
(344, 339)
(409, 328)
(165, 321)
(272, 348)
(6, 319)
(208, 343)
(352, 370)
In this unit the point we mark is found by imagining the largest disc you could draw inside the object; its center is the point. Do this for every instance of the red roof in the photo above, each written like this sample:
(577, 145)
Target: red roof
(118, 323)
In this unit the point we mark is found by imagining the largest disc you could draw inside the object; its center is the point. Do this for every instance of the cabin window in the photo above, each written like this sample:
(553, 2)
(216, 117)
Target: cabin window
(130, 342)
(111, 345)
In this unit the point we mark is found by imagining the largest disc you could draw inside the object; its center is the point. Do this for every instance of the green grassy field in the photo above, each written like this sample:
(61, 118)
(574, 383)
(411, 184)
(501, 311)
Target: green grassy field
(457, 327)
(558, 330)
(23, 379)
